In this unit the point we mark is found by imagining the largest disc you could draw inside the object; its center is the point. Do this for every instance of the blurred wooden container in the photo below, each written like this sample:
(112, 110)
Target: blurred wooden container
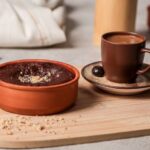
(114, 15)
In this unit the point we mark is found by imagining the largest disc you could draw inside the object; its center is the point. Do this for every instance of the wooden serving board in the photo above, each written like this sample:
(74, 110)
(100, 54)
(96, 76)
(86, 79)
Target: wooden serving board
(96, 116)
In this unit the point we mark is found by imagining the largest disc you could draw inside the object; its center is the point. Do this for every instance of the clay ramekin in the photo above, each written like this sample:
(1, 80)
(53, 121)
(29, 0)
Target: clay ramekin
(39, 100)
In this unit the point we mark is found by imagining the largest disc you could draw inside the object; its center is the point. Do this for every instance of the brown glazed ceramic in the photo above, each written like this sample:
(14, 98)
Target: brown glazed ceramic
(141, 84)
(122, 61)
(39, 100)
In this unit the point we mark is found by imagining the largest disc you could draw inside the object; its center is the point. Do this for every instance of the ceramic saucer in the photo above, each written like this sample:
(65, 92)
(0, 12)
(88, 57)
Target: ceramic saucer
(141, 84)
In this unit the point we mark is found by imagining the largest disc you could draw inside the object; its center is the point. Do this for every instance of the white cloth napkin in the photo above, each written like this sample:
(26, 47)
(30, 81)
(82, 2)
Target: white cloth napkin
(31, 23)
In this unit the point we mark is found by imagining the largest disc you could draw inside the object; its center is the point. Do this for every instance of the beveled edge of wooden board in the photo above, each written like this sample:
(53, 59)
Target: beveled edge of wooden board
(72, 141)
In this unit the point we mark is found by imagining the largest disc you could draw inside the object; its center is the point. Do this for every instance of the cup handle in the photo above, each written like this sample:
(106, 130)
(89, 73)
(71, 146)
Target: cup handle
(142, 71)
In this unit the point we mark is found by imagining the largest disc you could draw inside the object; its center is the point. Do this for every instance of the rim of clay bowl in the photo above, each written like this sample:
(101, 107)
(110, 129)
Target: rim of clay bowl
(28, 87)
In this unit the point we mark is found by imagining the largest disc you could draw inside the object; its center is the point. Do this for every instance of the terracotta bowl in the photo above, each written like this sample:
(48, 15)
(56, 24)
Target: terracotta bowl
(39, 100)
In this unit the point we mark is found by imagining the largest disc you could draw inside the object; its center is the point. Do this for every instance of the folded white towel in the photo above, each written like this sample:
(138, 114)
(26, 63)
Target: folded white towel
(31, 23)
(48, 3)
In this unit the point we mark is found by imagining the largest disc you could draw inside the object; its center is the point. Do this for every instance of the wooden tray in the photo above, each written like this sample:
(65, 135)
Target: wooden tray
(96, 116)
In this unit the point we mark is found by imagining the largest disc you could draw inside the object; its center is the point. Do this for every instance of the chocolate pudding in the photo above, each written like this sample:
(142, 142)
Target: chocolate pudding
(124, 39)
(35, 74)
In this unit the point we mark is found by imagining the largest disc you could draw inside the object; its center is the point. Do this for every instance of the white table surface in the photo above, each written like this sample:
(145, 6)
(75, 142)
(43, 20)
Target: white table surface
(79, 51)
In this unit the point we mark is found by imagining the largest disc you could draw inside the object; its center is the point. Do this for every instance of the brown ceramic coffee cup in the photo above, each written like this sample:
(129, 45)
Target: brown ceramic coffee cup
(122, 56)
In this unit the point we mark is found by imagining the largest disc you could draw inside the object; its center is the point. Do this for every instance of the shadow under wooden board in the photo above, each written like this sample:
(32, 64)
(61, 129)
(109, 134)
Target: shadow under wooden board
(96, 116)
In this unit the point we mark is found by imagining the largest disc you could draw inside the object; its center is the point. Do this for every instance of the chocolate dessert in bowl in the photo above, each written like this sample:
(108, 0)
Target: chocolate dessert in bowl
(37, 87)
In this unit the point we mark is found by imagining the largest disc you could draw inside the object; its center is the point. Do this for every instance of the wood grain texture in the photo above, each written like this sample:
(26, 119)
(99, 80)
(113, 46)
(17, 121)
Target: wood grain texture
(96, 116)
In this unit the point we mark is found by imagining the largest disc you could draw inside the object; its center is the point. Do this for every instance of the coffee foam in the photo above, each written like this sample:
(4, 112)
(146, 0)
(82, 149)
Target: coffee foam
(124, 39)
